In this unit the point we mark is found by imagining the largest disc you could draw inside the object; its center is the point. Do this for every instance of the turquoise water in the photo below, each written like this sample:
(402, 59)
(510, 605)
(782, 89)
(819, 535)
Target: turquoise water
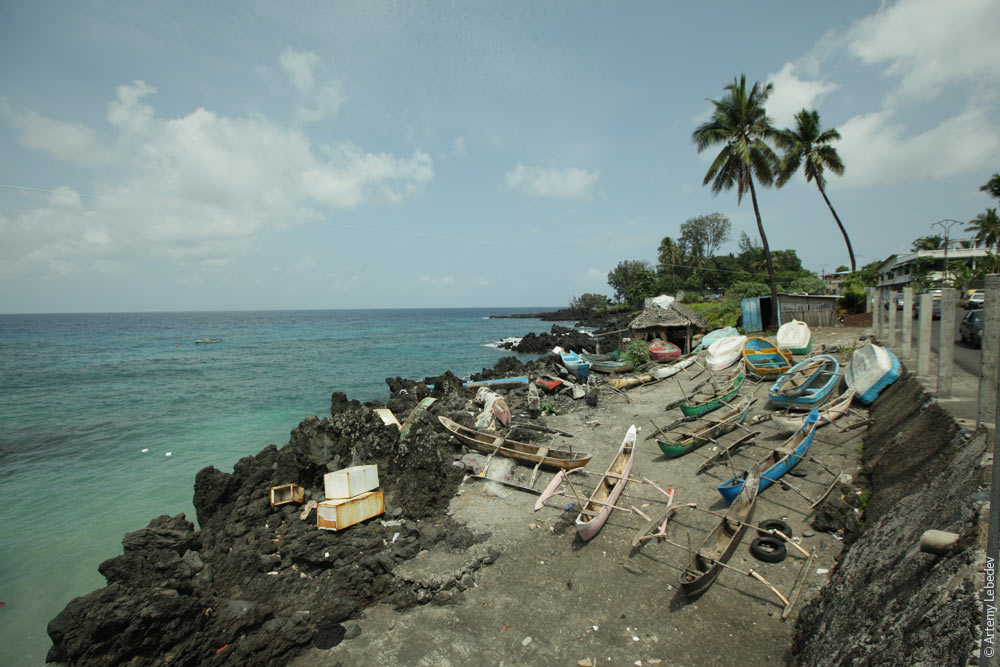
(83, 395)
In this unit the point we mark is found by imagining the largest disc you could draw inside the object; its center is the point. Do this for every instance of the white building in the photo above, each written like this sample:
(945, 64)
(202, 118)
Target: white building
(894, 273)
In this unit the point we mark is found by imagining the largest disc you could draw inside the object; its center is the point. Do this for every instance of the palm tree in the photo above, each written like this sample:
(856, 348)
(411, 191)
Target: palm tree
(992, 186)
(987, 228)
(809, 145)
(740, 123)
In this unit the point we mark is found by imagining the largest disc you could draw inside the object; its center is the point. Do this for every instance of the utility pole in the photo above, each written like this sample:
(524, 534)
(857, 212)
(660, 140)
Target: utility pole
(946, 225)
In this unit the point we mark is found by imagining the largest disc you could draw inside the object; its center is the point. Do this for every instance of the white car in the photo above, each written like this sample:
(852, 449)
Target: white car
(976, 300)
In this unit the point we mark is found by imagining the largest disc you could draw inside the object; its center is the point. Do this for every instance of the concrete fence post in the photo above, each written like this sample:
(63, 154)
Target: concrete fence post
(924, 339)
(991, 352)
(868, 299)
(892, 320)
(946, 343)
(906, 349)
(877, 317)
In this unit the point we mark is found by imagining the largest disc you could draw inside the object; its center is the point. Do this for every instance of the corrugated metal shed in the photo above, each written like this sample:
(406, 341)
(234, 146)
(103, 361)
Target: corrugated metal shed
(814, 309)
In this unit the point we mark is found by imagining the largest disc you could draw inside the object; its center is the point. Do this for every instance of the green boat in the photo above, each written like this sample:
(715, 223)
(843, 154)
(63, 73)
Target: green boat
(691, 435)
(717, 398)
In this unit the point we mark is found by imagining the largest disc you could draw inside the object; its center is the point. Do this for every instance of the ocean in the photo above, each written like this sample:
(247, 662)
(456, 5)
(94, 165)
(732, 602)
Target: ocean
(106, 418)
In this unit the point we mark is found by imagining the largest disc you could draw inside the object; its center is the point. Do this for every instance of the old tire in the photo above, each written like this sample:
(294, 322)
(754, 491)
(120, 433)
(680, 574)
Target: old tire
(773, 524)
(768, 549)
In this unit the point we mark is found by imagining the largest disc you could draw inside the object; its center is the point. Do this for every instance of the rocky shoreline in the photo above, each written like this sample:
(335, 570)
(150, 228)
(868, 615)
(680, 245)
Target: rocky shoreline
(257, 584)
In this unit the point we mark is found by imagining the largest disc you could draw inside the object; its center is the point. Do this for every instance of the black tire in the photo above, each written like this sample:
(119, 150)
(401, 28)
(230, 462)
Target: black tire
(773, 524)
(768, 549)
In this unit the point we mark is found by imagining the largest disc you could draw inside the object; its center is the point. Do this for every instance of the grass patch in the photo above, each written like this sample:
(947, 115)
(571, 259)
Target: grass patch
(717, 313)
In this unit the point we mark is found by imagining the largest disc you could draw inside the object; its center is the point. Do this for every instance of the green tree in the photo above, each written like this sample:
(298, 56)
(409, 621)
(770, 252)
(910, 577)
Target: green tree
(869, 273)
(590, 301)
(808, 145)
(987, 228)
(930, 242)
(704, 234)
(992, 186)
(740, 124)
(670, 267)
(632, 281)
(841, 269)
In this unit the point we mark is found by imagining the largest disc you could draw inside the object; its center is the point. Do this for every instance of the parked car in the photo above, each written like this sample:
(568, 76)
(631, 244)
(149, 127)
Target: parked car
(975, 300)
(970, 329)
(935, 304)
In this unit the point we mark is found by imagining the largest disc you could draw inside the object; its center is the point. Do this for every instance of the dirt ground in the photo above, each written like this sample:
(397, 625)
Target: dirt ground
(551, 599)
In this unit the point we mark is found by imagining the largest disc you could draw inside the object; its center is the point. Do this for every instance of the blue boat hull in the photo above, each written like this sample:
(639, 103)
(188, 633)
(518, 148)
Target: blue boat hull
(731, 488)
(813, 395)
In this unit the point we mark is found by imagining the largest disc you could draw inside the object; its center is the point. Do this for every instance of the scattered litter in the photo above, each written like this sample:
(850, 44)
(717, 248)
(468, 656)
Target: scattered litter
(272, 573)
(224, 646)
(326, 554)
(822, 570)
(638, 662)
(655, 661)
(395, 537)
(568, 507)
(392, 524)
(635, 638)
(526, 641)
(595, 628)
(168, 454)
(144, 450)
(504, 629)
(586, 662)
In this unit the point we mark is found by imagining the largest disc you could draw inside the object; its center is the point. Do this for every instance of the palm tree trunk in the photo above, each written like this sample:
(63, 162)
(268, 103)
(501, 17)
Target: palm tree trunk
(773, 321)
(850, 250)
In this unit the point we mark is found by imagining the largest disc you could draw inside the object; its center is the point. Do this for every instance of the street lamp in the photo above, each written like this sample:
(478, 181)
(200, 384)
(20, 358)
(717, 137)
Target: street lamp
(946, 225)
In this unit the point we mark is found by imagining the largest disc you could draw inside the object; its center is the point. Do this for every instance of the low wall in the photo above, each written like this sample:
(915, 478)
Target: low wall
(887, 602)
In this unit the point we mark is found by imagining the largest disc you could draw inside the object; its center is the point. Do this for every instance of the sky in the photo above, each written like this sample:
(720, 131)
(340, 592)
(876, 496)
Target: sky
(180, 156)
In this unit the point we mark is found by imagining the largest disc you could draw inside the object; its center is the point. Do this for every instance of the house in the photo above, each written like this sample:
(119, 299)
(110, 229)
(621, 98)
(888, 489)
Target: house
(668, 319)
(894, 273)
(834, 282)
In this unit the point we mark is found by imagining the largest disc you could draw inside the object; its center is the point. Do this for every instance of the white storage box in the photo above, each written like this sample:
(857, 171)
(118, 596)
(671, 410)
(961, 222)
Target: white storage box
(341, 513)
(350, 482)
(287, 493)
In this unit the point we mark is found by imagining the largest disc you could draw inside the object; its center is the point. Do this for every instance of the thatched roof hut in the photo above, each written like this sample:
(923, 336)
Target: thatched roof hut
(671, 321)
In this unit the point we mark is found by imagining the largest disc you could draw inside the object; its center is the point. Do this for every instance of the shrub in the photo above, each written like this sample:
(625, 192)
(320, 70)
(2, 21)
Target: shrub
(636, 353)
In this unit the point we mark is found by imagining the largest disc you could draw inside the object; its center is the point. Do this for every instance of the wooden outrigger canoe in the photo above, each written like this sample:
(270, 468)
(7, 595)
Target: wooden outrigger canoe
(721, 397)
(692, 435)
(807, 383)
(705, 564)
(789, 422)
(777, 461)
(596, 510)
(522, 451)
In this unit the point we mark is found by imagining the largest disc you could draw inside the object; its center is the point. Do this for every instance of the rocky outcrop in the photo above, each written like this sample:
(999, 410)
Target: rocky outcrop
(887, 602)
(542, 343)
(256, 583)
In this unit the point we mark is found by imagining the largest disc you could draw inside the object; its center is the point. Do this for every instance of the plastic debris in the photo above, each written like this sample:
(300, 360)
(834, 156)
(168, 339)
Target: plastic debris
(822, 570)
(526, 641)
(168, 454)
(144, 450)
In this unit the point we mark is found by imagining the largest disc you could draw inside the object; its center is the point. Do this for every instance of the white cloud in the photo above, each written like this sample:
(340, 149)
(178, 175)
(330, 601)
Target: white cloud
(458, 146)
(792, 94)
(877, 150)
(200, 188)
(927, 44)
(596, 274)
(568, 183)
(318, 94)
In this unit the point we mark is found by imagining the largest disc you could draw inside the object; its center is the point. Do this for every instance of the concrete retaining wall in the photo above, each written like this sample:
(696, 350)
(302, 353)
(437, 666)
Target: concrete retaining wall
(887, 602)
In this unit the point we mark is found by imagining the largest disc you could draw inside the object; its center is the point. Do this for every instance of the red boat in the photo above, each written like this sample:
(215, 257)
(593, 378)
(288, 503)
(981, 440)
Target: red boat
(663, 350)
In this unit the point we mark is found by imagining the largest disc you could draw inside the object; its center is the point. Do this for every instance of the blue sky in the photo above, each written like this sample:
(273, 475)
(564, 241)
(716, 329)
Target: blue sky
(259, 155)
